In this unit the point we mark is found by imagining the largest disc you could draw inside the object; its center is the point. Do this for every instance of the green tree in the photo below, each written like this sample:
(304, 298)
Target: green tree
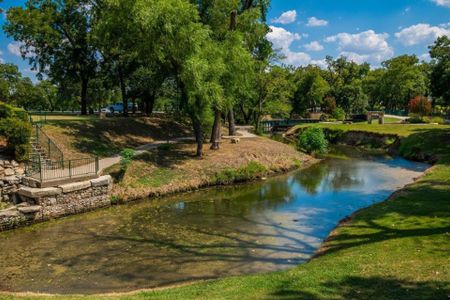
(345, 80)
(440, 73)
(55, 37)
(311, 90)
(403, 80)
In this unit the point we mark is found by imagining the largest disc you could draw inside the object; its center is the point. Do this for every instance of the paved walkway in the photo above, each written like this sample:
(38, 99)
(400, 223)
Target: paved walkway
(107, 162)
(396, 117)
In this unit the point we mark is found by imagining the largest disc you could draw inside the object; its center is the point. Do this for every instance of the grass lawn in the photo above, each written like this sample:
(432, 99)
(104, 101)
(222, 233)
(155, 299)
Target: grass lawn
(399, 249)
(80, 136)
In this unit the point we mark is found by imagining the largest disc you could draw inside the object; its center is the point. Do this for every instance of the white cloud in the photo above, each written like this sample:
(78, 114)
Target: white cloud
(286, 17)
(314, 46)
(2, 61)
(314, 22)
(14, 48)
(282, 41)
(281, 38)
(367, 46)
(425, 57)
(421, 33)
(445, 3)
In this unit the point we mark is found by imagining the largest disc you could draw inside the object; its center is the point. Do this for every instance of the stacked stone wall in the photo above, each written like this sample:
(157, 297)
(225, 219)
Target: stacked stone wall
(42, 204)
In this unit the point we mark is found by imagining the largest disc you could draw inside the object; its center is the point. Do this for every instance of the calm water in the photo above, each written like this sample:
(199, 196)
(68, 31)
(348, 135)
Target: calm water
(262, 227)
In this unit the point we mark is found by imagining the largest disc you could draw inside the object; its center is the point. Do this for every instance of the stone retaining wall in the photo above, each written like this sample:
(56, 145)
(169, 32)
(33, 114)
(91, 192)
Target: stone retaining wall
(42, 204)
(11, 174)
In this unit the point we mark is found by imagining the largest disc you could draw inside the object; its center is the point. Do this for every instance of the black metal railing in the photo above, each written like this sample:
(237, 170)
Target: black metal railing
(48, 149)
(46, 170)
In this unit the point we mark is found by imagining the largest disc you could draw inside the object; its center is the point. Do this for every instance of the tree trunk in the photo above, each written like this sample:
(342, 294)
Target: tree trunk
(215, 135)
(198, 131)
(231, 123)
(84, 88)
(149, 104)
(124, 93)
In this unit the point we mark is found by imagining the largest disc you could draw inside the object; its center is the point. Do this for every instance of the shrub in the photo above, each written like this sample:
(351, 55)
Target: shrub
(17, 133)
(438, 120)
(8, 111)
(127, 156)
(338, 114)
(415, 119)
(420, 106)
(313, 140)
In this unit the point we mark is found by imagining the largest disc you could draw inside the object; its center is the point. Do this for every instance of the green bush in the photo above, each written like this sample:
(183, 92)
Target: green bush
(338, 114)
(127, 156)
(438, 120)
(17, 134)
(313, 140)
(8, 111)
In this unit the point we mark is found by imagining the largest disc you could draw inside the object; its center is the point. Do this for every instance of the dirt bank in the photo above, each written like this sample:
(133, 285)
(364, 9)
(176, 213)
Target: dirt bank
(175, 169)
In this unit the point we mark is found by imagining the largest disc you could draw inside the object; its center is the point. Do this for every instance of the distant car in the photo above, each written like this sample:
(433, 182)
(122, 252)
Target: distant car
(117, 108)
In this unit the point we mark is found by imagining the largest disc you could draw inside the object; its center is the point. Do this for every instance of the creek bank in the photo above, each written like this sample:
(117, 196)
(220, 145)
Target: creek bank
(393, 144)
(162, 172)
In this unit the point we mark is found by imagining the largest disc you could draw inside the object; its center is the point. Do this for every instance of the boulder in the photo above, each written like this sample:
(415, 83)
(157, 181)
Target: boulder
(38, 193)
(77, 186)
(101, 181)
(30, 209)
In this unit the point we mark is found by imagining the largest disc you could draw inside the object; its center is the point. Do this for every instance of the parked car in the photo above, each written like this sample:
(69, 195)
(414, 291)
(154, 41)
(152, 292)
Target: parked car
(118, 107)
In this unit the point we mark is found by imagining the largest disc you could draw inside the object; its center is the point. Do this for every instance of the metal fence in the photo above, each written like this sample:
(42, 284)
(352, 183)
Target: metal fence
(50, 150)
(45, 171)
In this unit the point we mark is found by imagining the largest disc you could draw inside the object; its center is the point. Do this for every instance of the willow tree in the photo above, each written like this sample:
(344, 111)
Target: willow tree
(55, 38)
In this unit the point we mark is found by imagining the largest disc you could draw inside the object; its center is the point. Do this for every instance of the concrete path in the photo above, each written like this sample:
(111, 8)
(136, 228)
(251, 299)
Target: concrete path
(107, 162)
(396, 117)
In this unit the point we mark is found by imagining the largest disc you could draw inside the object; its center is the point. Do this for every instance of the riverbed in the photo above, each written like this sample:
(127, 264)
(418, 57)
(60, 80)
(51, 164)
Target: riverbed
(260, 227)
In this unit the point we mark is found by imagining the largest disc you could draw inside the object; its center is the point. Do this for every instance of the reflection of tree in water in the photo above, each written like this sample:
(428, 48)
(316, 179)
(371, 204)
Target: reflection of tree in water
(332, 175)
(311, 178)
(343, 174)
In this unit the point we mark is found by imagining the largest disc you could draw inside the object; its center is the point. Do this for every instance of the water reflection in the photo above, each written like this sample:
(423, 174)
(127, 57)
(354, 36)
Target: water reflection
(225, 231)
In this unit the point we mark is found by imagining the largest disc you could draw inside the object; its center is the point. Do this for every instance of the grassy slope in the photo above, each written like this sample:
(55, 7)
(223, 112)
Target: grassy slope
(398, 249)
(164, 171)
(82, 136)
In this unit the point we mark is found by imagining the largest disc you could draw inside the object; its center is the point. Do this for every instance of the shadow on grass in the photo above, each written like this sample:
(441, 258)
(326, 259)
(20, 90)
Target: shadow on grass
(108, 136)
(354, 287)
(426, 144)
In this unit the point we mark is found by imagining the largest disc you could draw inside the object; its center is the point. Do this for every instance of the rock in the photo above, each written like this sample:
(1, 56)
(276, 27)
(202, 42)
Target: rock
(30, 209)
(38, 193)
(72, 187)
(20, 171)
(101, 181)
(235, 140)
(8, 213)
(12, 179)
(14, 163)
(9, 172)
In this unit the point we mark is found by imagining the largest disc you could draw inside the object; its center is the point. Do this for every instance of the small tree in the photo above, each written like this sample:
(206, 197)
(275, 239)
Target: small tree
(420, 106)
(313, 140)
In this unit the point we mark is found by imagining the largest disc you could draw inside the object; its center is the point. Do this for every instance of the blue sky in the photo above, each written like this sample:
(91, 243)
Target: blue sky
(363, 30)
(305, 31)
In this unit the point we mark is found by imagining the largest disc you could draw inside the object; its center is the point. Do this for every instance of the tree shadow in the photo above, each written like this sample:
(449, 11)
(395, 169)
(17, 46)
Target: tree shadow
(108, 137)
(354, 287)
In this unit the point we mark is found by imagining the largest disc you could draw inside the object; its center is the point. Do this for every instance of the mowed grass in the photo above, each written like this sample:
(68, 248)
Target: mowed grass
(402, 130)
(399, 249)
